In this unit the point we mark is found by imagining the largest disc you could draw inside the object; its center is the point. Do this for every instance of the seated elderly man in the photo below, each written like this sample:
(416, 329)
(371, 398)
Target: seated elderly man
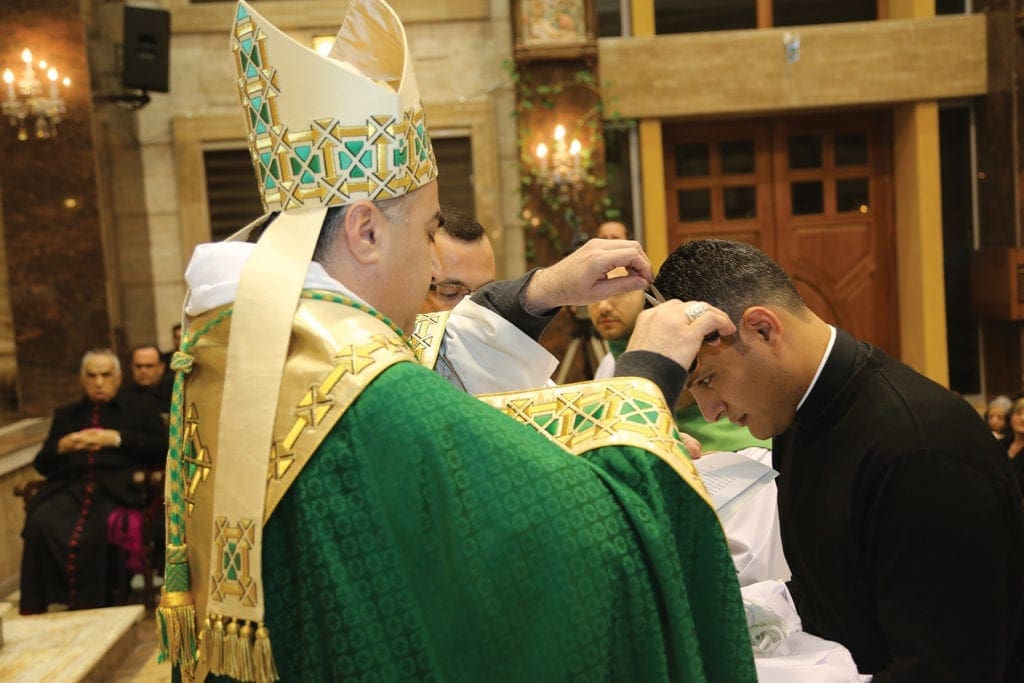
(88, 459)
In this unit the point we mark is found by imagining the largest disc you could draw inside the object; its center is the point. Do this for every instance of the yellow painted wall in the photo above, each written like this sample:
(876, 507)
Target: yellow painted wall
(918, 202)
(917, 192)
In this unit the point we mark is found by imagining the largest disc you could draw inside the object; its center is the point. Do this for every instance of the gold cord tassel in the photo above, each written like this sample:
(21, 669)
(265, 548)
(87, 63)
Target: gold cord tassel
(213, 644)
(175, 629)
(245, 652)
(232, 651)
(264, 668)
(205, 636)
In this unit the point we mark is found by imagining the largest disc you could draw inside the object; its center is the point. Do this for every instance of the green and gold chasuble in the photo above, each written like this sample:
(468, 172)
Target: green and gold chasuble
(415, 532)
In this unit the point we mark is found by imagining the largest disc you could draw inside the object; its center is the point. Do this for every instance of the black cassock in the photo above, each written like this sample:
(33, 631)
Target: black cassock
(66, 558)
(902, 523)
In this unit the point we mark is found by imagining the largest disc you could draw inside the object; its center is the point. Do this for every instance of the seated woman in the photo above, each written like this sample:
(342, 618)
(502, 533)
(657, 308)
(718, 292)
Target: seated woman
(996, 415)
(94, 446)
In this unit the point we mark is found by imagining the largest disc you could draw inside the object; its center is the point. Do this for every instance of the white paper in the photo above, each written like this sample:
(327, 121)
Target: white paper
(730, 477)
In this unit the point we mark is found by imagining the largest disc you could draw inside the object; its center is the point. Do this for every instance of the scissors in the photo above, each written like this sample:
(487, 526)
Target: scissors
(654, 297)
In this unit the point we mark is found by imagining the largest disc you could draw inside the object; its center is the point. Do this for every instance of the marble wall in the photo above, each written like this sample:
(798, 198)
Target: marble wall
(55, 244)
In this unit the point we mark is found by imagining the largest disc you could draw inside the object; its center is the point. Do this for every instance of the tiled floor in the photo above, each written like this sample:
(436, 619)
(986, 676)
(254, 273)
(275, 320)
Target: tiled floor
(141, 665)
(131, 658)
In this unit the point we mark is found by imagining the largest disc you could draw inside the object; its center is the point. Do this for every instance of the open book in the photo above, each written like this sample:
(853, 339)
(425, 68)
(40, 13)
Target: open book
(731, 477)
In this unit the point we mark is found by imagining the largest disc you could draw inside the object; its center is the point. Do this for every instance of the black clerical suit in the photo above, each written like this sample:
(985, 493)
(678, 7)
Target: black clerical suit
(902, 523)
(65, 558)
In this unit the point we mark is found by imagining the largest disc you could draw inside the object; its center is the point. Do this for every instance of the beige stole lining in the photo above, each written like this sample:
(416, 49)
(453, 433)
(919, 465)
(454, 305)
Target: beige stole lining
(260, 330)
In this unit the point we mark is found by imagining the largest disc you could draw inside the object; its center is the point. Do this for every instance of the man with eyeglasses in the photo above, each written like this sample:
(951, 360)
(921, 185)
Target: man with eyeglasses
(466, 258)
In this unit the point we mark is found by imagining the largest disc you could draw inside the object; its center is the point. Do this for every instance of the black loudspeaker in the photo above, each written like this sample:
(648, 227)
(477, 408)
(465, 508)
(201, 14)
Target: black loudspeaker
(147, 39)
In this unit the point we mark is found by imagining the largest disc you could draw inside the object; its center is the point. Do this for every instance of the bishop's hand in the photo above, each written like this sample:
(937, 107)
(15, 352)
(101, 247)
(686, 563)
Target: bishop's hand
(677, 329)
(586, 276)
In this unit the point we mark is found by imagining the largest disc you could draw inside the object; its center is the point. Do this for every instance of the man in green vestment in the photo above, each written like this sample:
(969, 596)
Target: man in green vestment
(337, 511)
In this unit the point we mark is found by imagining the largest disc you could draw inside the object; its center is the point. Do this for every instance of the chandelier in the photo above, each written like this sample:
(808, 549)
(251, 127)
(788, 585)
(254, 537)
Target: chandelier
(25, 98)
(561, 164)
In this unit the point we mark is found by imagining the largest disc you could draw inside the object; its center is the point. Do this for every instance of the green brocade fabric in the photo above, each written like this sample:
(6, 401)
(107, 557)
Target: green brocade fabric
(618, 346)
(716, 436)
(432, 538)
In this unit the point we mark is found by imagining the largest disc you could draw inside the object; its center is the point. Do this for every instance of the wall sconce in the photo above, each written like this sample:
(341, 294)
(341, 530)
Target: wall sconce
(24, 98)
(561, 164)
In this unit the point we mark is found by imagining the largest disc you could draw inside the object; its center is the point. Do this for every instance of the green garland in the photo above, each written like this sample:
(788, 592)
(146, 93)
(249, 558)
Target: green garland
(558, 204)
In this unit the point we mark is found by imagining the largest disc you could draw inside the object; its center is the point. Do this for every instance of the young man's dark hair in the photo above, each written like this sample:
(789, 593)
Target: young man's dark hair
(731, 276)
(460, 225)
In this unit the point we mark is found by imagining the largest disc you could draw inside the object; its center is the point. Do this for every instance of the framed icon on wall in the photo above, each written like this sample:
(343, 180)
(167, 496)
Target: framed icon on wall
(554, 29)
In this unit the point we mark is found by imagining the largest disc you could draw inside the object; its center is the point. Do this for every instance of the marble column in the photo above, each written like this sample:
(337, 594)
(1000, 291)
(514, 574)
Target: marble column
(51, 214)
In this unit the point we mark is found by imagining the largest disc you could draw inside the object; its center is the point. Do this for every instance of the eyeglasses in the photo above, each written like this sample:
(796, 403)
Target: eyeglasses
(451, 289)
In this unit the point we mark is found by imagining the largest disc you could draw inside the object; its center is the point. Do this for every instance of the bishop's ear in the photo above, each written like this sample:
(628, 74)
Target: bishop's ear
(363, 231)
(763, 323)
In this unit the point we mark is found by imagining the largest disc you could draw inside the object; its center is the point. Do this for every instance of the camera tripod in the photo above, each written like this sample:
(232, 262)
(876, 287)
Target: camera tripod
(585, 340)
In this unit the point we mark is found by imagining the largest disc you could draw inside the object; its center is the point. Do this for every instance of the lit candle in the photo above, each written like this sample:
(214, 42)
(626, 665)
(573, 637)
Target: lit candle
(26, 56)
(542, 156)
(52, 75)
(9, 80)
(559, 132)
(42, 63)
(66, 82)
(574, 151)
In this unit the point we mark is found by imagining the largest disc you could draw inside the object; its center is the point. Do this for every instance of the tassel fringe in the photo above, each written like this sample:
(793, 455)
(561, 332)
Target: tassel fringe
(211, 644)
(175, 629)
(264, 668)
(245, 665)
(232, 652)
(240, 649)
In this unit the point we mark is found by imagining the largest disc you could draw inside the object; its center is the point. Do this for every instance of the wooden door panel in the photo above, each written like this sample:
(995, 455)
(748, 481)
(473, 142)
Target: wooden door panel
(837, 270)
(842, 245)
(718, 164)
(752, 234)
(823, 207)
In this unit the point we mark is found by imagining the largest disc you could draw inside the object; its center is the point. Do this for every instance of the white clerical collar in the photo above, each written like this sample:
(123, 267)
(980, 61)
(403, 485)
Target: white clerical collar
(821, 365)
(213, 273)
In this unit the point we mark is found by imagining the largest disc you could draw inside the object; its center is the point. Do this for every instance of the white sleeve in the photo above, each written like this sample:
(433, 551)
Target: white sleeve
(606, 369)
(488, 354)
(752, 531)
(800, 657)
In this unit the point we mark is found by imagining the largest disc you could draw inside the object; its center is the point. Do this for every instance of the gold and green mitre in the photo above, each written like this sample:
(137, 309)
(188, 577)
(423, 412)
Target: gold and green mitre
(323, 131)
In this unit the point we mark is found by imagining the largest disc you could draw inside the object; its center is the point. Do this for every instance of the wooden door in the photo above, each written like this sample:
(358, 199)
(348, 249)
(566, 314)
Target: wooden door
(719, 183)
(834, 221)
(814, 193)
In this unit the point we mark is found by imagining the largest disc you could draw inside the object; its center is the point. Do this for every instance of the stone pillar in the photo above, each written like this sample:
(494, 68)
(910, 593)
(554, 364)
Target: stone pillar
(51, 216)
